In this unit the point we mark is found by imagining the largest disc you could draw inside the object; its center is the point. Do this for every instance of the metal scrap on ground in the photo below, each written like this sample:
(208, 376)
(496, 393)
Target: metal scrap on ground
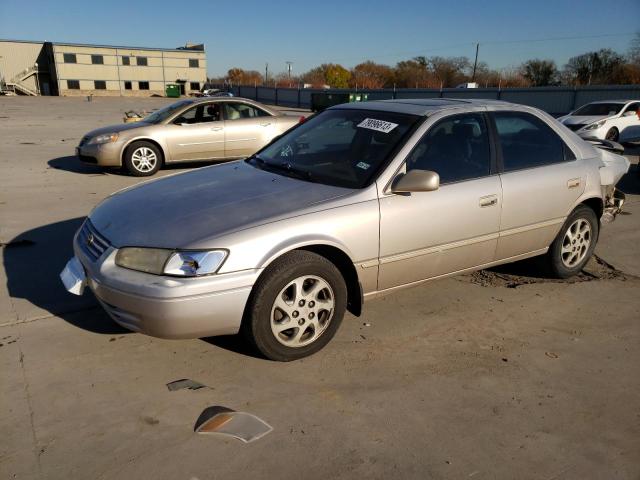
(184, 383)
(243, 426)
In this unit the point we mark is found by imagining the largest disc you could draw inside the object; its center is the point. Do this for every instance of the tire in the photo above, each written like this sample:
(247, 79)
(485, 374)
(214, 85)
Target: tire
(575, 243)
(296, 307)
(142, 159)
(612, 134)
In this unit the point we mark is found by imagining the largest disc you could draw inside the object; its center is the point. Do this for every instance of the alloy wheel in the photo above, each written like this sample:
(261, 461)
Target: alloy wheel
(576, 243)
(302, 311)
(144, 159)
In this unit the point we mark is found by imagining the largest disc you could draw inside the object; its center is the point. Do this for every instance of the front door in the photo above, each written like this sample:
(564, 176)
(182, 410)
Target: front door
(630, 123)
(428, 234)
(541, 181)
(197, 134)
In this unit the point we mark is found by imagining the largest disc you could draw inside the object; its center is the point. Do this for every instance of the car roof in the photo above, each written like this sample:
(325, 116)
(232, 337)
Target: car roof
(421, 106)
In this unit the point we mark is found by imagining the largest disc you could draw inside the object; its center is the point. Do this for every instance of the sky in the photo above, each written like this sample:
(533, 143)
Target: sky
(248, 34)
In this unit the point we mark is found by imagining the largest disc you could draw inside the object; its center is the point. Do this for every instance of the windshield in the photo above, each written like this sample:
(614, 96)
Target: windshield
(345, 148)
(165, 112)
(599, 109)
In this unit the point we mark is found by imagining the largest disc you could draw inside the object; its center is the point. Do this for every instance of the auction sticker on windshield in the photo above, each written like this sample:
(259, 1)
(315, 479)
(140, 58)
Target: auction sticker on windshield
(377, 125)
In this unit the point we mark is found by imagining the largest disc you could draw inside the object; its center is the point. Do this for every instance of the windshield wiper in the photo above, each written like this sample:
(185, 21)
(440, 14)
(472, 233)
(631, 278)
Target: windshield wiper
(285, 168)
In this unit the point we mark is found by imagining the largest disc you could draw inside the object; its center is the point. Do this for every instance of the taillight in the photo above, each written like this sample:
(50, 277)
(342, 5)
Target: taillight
(302, 119)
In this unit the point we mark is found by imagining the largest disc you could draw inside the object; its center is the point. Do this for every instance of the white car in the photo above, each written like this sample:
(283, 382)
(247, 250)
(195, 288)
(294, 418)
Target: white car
(615, 120)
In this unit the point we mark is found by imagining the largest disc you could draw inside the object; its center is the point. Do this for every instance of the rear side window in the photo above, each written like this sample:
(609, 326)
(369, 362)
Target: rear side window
(528, 142)
(238, 111)
(456, 148)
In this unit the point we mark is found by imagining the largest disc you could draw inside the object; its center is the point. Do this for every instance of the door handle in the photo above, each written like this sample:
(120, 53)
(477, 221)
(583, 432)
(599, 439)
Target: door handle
(573, 183)
(488, 201)
(216, 129)
(265, 124)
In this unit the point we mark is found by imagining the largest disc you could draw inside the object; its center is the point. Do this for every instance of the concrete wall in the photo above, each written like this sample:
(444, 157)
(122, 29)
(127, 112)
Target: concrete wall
(163, 66)
(555, 100)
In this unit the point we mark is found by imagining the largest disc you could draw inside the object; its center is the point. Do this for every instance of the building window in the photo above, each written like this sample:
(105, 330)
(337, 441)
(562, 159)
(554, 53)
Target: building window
(100, 84)
(126, 61)
(127, 85)
(141, 61)
(69, 58)
(97, 59)
(194, 63)
(194, 86)
(73, 84)
(143, 85)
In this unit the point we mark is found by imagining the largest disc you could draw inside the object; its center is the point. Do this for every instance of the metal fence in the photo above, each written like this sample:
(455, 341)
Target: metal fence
(555, 100)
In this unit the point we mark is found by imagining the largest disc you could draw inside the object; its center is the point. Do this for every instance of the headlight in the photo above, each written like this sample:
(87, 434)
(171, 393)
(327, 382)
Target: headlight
(160, 261)
(595, 125)
(106, 138)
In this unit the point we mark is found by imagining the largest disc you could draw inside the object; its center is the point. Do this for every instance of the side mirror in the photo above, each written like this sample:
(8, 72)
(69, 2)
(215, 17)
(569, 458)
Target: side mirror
(416, 181)
(629, 113)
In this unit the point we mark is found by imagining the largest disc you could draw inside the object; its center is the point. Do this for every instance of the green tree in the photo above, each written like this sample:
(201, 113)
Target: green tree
(540, 73)
(336, 76)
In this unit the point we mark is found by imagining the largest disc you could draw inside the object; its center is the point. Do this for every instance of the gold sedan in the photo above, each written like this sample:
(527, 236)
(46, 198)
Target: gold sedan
(186, 131)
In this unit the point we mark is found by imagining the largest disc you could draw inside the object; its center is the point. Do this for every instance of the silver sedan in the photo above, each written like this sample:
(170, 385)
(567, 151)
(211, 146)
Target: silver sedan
(357, 202)
(186, 131)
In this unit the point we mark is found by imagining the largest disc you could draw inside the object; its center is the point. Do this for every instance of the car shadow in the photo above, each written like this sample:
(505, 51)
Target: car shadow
(233, 343)
(71, 163)
(33, 261)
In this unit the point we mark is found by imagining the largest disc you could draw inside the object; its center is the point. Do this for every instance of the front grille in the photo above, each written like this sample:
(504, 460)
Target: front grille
(91, 242)
(83, 140)
(576, 126)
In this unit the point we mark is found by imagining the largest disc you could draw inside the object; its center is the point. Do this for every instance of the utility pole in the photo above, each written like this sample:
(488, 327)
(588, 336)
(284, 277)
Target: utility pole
(266, 73)
(289, 71)
(475, 64)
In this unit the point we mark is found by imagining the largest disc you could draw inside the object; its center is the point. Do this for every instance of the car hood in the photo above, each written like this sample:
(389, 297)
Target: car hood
(121, 127)
(185, 209)
(582, 119)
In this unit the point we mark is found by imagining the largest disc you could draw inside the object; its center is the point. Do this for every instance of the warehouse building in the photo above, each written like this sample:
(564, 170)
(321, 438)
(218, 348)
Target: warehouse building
(66, 69)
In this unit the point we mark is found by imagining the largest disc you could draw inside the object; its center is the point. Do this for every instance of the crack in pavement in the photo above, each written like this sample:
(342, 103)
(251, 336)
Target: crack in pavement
(36, 448)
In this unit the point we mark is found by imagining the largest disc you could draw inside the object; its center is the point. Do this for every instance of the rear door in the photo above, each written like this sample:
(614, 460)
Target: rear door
(541, 181)
(428, 234)
(248, 129)
(197, 134)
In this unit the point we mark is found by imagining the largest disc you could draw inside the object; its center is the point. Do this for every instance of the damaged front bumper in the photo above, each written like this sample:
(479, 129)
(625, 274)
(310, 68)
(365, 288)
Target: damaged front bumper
(612, 205)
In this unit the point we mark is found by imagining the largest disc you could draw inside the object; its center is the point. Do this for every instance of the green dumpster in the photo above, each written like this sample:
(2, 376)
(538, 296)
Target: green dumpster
(320, 101)
(172, 90)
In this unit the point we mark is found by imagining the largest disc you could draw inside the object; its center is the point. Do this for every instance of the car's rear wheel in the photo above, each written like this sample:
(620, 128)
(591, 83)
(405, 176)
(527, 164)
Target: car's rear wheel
(575, 243)
(296, 306)
(612, 134)
(142, 159)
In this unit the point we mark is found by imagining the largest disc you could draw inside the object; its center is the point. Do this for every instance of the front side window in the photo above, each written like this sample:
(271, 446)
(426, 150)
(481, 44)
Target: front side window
(456, 148)
(345, 148)
(598, 109)
(237, 111)
(203, 113)
(633, 107)
(527, 141)
(141, 61)
(100, 85)
(97, 59)
(69, 58)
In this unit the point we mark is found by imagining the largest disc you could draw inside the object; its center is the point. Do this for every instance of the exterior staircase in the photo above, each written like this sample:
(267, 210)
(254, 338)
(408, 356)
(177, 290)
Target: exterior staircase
(17, 86)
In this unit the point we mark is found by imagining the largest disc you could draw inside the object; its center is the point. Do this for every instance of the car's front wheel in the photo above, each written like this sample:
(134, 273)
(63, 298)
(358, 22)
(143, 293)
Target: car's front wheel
(575, 243)
(612, 134)
(142, 159)
(296, 307)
